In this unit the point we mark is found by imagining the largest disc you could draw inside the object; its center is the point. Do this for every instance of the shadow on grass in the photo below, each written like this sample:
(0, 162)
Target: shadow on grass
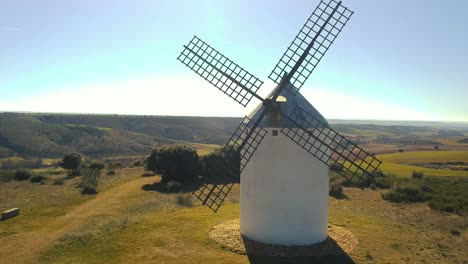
(301, 260)
(340, 196)
(161, 187)
(325, 252)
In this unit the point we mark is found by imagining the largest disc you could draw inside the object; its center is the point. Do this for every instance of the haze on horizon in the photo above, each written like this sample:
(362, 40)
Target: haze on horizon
(395, 60)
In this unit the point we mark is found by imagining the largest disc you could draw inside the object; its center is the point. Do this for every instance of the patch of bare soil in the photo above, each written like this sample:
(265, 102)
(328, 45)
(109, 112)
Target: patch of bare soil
(227, 234)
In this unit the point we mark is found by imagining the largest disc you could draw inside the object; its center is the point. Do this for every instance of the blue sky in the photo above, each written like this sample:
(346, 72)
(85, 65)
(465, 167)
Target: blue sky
(398, 60)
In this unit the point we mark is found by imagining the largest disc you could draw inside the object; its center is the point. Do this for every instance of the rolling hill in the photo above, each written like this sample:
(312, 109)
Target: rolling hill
(52, 135)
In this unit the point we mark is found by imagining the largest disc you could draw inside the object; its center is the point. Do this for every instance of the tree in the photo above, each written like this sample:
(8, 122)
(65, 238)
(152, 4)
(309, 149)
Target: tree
(217, 162)
(71, 162)
(174, 162)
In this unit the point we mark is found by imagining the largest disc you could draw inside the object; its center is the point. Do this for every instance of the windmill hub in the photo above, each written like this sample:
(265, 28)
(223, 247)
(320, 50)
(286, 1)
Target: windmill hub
(285, 145)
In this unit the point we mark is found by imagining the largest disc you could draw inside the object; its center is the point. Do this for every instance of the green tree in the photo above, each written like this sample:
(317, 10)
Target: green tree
(216, 163)
(174, 162)
(71, 161)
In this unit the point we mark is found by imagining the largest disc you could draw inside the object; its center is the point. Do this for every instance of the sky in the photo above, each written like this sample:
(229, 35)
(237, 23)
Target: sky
(394, 60)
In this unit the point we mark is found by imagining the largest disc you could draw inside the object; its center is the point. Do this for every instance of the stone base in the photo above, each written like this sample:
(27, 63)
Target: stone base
(227, 234)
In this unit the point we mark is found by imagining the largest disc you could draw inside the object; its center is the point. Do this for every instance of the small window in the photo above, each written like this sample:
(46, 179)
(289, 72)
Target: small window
(275, 132)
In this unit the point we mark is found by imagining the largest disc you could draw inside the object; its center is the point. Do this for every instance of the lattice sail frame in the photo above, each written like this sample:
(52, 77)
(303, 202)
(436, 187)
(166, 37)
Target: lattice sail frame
(220, 71)
(245, 140)
(308, 33)
(329, 146)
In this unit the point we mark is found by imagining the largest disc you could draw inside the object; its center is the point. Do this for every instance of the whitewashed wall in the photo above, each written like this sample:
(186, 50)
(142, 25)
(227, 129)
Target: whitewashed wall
(284, 194)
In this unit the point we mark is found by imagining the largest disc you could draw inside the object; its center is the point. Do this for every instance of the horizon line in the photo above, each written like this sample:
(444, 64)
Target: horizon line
(337, 119)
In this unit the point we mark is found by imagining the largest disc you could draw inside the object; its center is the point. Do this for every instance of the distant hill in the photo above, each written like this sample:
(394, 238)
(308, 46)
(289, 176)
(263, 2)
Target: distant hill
(52, 135)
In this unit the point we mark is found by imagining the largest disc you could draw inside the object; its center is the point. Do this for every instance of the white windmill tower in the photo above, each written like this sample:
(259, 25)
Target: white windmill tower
(284, 186)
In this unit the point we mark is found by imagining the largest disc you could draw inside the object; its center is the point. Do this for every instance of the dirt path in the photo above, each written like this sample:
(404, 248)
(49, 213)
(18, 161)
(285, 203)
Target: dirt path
(26, 247)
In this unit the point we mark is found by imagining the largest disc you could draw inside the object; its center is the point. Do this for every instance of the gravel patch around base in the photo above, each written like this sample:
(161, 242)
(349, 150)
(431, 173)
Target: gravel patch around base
(227, 234)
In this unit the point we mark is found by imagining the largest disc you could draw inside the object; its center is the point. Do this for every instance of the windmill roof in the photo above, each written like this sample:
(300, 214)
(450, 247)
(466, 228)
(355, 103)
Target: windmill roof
(288, 102)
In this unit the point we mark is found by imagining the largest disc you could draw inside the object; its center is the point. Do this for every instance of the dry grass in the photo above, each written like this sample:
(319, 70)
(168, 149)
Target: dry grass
(228, 235)
(126, 224)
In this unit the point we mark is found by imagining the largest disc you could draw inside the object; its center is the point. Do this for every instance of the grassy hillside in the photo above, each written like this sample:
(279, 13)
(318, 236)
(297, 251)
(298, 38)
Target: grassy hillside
(130, 220)
(36, 135)
(52, 135)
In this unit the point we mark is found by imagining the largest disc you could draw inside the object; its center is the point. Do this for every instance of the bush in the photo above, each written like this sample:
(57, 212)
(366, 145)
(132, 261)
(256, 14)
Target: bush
(7, 175)
(184, 200)
(417, 175)
(384, 181)
(405, 192)
(215, 163)
(172, 186)
(335, 189)
(338, 167)
(89, 182)
(174, 162)
(37, 179)
(74, 173)
(71, 161)
(89, 190)
(59, 181)
(96, 166)
(111, 172)
(137, 163)
(22, 175)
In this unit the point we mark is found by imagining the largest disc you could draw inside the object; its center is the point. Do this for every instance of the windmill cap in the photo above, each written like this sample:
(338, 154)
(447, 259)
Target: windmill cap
(287, 102)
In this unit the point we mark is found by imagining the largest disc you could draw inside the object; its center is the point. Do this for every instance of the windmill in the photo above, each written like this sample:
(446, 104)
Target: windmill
(284, 186)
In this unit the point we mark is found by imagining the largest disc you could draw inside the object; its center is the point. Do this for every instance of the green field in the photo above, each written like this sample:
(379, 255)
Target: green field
(397, 163)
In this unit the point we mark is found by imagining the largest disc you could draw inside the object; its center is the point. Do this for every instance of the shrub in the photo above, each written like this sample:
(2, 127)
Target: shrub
(338, 167)
(59, 181)
(6, 175)
(401, 150)
(71, 161)
(96, 165)
(110, 172)
(172, 186)
(89, 190)
(74, 173)
(417, 175)
(174, 162)
(384, 181)
(184, 200)
(137, 163)
(405, 192)
(89, 182)
(335, 189)
(37, 179)
(215, 163)
(22, 175)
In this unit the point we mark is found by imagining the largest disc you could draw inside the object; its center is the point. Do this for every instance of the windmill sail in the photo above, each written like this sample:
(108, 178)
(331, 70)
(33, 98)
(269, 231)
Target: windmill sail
(220, 71)
(320, 30)
(238, 150)
(328, 146)
(307, 129)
